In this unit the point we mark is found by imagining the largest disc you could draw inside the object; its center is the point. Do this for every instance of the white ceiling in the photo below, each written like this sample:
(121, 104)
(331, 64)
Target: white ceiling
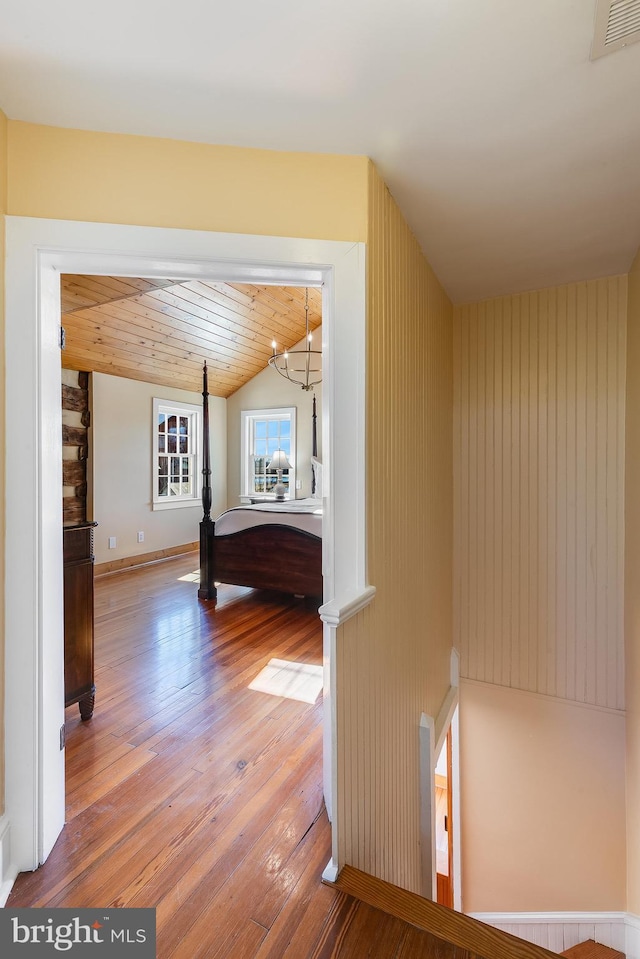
(514, 157)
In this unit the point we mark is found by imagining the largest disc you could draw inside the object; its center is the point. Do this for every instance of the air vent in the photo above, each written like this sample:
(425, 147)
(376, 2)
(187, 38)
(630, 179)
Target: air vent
(617, 24)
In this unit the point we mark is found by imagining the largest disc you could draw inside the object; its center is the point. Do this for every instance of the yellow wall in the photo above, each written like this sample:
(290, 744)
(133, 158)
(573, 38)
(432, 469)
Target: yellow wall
(393, 658)
(539, 506)
(543, 803)
(110, 178)
(632, 590)
(3, 209)
(538, 571)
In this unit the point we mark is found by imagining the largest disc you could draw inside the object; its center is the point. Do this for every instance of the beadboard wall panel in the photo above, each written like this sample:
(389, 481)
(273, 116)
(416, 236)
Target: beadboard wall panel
(539, 507)
(393, 657)
(558, 931)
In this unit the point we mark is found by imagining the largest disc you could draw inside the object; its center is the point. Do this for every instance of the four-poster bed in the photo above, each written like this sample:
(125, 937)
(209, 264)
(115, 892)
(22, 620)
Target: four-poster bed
(275, 545)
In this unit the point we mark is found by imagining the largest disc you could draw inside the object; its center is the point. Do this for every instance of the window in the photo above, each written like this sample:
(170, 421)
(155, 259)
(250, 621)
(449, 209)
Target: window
(176, 454)
(264, 432)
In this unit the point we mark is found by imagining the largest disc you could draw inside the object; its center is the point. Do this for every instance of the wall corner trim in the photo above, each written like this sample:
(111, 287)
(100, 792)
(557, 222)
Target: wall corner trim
(427, 770)
(444, 717)
(454, 667)
(337, 611)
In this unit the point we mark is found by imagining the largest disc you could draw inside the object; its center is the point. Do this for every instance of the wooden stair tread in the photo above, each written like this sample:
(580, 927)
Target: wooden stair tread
(592, 950)
(455, 928)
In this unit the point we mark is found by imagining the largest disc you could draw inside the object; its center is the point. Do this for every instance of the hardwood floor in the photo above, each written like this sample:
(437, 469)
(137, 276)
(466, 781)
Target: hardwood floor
(196, 795)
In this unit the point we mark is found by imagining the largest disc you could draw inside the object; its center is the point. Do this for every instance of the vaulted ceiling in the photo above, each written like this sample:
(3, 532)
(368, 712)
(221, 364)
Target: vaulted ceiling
(163, 330)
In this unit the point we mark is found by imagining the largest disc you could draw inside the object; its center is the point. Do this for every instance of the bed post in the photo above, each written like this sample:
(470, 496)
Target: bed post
(207, 588)
(314, 445)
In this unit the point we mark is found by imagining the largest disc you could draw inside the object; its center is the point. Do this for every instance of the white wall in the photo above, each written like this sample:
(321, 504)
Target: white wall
(122, 469)
(270, 390)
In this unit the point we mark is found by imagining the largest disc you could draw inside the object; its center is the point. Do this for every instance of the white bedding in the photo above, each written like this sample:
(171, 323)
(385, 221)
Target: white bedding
(304, 514)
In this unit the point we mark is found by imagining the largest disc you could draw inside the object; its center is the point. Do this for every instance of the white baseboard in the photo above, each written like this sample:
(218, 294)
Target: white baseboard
(7, 872)
(558, 931)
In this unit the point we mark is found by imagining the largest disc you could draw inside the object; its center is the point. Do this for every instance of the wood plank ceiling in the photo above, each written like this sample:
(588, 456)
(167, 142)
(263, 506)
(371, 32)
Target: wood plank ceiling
(162, 330)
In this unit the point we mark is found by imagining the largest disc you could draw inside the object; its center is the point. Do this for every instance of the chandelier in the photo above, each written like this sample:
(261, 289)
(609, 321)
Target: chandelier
(302, 367)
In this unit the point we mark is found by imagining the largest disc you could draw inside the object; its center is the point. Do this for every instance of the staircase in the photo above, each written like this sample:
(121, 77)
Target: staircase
(479, 940)
(476, 939)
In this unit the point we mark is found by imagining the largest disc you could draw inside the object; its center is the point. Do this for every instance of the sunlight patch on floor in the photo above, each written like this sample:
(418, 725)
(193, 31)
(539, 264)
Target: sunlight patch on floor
(190, 577)
(299, 681)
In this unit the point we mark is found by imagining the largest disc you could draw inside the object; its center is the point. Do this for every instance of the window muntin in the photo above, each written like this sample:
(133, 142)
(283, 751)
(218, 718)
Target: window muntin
(265, 431)
(176, 454)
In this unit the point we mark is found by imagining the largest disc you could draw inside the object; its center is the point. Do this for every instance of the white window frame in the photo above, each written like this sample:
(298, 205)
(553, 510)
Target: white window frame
(247, 419)
(171, 408)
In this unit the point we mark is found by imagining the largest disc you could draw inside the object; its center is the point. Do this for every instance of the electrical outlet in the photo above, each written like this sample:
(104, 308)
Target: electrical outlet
(112, 542)
(298, 484)
(140, 536)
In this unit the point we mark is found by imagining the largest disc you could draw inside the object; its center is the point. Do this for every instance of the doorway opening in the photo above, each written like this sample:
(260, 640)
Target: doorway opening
(34, 652)
(446, 806)
(444, 824)
(128, 341)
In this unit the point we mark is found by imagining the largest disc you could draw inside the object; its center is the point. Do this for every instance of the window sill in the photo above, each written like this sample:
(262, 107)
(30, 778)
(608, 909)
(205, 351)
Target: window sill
(177, 504)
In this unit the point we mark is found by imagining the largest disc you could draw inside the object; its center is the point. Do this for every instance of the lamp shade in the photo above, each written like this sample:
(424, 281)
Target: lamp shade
(279, 461)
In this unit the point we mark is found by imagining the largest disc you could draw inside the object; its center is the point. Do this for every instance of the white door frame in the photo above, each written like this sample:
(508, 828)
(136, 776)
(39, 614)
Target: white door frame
(432, 734)
(37, 251)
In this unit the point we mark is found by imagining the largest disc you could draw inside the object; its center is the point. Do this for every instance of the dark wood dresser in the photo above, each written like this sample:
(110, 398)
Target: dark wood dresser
(78, 617)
